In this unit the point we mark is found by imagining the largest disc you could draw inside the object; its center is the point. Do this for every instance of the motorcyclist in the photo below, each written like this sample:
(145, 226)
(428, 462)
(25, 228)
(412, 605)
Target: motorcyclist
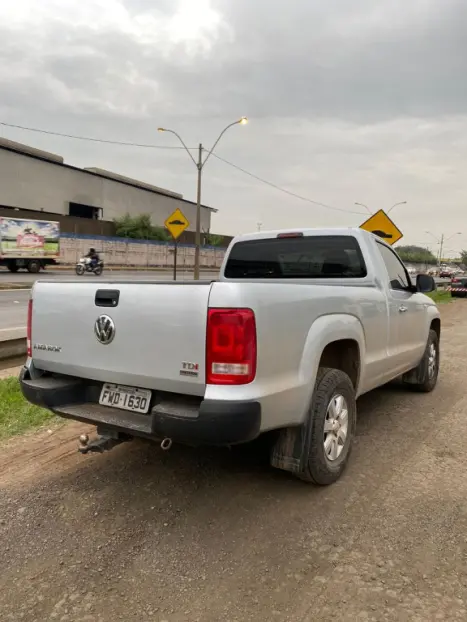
(94, 257)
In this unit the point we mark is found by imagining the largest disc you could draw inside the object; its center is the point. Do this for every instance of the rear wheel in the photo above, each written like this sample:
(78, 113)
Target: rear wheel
(34, 266)
(98, 270)
(13, 266)
(333, 417)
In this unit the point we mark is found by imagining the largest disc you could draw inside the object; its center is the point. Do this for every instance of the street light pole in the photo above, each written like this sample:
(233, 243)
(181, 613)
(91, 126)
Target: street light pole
(441, 242)
(396, 204)
(199, 166)
(365, 206)
(389, 210)
(199, 163)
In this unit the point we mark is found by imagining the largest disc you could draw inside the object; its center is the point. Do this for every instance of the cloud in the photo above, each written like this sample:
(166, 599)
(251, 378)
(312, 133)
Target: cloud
(349, 101)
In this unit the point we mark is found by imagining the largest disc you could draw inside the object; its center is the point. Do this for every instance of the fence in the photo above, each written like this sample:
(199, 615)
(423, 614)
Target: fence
(137, 253)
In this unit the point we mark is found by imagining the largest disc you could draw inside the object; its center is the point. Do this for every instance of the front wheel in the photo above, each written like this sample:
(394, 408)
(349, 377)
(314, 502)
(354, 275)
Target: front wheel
(333, 418)
(79, 269)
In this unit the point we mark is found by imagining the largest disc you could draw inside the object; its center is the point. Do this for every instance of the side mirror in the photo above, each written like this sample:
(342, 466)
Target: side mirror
(425, 283)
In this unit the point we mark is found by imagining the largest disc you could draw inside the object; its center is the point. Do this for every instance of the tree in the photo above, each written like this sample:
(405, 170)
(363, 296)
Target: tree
(139, 228)
(211, 239)
(416, 254)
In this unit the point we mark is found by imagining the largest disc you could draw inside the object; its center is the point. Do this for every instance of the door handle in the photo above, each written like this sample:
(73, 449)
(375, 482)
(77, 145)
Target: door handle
(402, 309)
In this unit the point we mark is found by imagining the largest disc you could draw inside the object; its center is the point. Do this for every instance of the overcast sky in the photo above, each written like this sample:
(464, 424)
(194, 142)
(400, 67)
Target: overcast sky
(348, 101)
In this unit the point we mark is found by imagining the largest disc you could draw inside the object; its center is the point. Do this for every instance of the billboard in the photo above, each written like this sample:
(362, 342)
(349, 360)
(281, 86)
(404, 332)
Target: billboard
(29, 238)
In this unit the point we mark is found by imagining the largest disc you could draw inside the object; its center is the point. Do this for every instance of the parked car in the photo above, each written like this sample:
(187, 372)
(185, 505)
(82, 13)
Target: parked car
(299, 324)
(445, 273)
(458, 287)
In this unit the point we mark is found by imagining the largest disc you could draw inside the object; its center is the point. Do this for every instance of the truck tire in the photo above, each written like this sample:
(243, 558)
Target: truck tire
(333, 419)
(424, 377)
(34, 266)
(12, 266)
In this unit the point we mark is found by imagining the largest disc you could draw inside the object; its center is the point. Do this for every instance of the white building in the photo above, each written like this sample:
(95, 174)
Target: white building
(38, 181)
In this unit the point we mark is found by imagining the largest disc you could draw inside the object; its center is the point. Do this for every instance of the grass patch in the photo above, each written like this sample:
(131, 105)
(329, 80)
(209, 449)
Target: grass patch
(440, 296)
(16, 414)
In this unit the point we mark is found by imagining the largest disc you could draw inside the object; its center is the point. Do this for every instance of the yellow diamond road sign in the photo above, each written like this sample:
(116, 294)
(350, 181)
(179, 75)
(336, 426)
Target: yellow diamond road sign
(176, 223)
(381, 225)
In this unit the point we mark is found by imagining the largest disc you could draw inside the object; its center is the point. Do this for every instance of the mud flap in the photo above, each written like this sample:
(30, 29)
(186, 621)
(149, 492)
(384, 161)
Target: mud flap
(417, 374)
(414, 376)
(290, 451)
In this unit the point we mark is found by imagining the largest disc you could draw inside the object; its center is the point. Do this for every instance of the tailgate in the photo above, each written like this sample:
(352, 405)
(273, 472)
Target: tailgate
(159, 339)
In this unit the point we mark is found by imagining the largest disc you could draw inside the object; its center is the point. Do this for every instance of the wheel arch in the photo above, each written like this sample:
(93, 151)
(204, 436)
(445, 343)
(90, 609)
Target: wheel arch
(335, 341)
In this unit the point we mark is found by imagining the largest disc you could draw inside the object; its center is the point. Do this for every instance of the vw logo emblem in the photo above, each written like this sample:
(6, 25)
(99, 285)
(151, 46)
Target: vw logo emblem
(104, 329)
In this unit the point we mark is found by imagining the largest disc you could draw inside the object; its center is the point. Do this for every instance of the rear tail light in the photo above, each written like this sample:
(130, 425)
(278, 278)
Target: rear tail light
(231, 346)
(29, 329)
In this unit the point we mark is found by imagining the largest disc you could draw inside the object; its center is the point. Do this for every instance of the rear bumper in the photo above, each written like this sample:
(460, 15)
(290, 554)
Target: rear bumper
(183, 419)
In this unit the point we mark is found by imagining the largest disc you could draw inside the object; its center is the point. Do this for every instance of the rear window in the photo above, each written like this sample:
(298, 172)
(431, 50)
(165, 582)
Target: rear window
(307, 257)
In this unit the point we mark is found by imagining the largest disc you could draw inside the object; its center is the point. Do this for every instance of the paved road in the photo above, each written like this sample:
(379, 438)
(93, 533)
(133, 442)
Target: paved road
(13, 303)
(13, 311)
(207, 535)
(137, 275)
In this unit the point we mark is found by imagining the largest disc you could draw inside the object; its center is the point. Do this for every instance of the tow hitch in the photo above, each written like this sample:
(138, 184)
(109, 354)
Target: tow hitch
(105, 441)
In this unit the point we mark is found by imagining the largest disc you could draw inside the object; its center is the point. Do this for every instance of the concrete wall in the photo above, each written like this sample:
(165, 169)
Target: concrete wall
(30, 183)
(119, 252)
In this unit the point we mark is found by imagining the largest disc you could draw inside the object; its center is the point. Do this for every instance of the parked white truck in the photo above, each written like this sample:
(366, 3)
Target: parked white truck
(299, 324)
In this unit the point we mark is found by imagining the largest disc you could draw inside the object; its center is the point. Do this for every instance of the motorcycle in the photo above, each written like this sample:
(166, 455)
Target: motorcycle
(85, 265)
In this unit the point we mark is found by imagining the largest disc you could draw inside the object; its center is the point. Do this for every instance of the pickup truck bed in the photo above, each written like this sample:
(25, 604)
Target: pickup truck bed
(298, 325)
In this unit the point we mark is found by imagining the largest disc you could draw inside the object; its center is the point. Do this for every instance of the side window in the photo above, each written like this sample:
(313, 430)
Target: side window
(396, 271)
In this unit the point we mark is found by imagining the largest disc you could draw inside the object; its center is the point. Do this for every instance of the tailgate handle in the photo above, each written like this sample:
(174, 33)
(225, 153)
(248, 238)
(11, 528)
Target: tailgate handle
(107, 297)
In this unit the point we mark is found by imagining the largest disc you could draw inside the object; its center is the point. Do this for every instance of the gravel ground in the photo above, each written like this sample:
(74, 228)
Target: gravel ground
(204, 535)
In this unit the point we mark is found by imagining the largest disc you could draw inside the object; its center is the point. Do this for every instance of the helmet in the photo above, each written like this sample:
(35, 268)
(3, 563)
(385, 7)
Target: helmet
(92, 250)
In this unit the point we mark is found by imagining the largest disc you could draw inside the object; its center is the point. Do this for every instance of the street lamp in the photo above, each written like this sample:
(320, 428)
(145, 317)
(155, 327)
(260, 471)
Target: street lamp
(199, 163)
(363, 205)
(389, 210)
(396, 204)
(441, 242)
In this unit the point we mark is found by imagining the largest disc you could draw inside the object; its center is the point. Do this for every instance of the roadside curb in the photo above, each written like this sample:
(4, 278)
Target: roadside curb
(11, 348)
(15, 286)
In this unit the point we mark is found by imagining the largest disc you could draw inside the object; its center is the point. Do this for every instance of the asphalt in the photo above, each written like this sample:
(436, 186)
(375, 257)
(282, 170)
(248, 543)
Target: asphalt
(13, 303)
(203, 535)
(13, 313)
(137, 275)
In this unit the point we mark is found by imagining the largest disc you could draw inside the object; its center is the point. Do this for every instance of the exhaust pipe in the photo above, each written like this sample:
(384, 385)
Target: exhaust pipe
(166, 444)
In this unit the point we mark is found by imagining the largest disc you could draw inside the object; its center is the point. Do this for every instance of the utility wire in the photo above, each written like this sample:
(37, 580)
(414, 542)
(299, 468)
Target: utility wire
(292, 194)
(94, 140)
(149, 146)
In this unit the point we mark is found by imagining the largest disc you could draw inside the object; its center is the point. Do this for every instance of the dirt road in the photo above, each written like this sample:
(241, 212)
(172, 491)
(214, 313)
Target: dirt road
(138, 534)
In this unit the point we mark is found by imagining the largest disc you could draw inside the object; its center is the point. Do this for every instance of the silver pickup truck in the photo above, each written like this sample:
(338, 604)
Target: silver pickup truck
(298, 325)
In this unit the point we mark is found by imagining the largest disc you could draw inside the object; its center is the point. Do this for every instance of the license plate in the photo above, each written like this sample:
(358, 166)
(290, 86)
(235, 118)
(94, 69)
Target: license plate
(125, 398)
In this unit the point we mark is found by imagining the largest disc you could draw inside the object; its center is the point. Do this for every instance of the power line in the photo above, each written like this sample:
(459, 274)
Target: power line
(89, 139)
(149, 146)
(289, 192)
